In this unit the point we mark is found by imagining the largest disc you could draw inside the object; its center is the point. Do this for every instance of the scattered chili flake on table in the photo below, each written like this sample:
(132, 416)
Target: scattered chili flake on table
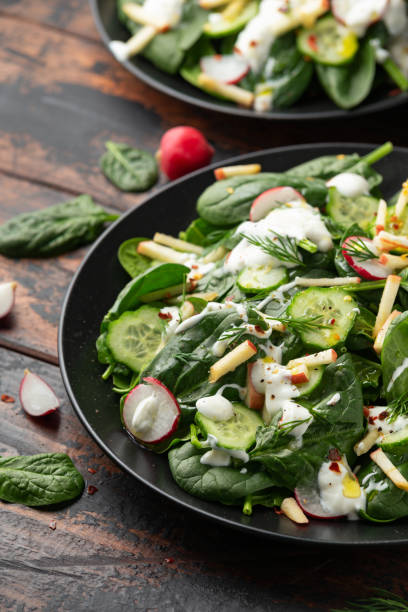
(91, 471)
(53, 525)
(91, 490)
(169, 560)
(9, 399)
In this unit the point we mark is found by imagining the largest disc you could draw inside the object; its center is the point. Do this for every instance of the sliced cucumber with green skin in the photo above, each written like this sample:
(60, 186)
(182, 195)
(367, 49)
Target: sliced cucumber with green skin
(346, 211)
(315, 376)
(221, 28)
(236, 433)
(259, 278)
(328, 42)
(396, 441)
(136, 337)
(336, 310)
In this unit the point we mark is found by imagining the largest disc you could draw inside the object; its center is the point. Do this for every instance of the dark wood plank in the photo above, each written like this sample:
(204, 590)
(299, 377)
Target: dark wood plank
(126, 546)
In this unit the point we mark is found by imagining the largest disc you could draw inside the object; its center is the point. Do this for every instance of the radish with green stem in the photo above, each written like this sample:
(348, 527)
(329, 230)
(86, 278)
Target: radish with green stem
(36, 396)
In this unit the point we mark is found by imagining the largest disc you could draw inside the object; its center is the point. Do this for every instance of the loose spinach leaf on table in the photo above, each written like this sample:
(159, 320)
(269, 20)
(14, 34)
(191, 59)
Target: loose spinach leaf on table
(39, 480)
(131, 260)
(53, 230)
(224, 484)
(128, 168)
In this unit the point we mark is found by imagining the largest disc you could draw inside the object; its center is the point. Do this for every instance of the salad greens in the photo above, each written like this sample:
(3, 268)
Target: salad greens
(128, 168)
(268, 55)
(221, 375)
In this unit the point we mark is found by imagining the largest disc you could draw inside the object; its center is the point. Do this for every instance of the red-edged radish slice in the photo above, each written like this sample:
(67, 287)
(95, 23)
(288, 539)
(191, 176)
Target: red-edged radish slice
(36, 396)
(309, 500)
(370, 269)
(151, 412)
(358, 14)
(228, 69)
(253, 399)
(272, 198)
(7, 295)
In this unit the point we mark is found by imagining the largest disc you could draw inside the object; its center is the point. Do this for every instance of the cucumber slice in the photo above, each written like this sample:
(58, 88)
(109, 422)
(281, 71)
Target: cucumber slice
(315, 376)
(336, 315)
(396, 441)
(259, 278)
(328, 42)
(222, 27)
(236, 433)
(136, 337)
(346, 211)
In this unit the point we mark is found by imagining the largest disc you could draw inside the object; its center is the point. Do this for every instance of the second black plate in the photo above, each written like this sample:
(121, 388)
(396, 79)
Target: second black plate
(110, 28)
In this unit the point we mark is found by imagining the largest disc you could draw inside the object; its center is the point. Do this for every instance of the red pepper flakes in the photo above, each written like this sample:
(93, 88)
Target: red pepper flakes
(169, 560)
(334, 467)
(312, 42)
(383, 415)
(277, 511)
(372, 419)
(91, 490)
(259, 329)
(395, 226)
(9, 399)
(195, 266)
(332, 321)
(253, 43)
(53, 525)
(366, 410)
(334, 454)
(218, 57)
(91, 471)
(165, 315)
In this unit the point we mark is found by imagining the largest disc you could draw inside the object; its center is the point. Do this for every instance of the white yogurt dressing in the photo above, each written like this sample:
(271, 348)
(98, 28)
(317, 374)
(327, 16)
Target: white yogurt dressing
(395, 17)
(212, 307)
(399, 51)
(383, 425)
(221, 457)
(334, 399)
(370, 484)
(145, 414)
(359, 14)
(172, 323)
(381, 54)
(215, 407)
(332, 497)
(397, 372)
(241, 390)
(296, 219)
(349, 184)
(168, 11)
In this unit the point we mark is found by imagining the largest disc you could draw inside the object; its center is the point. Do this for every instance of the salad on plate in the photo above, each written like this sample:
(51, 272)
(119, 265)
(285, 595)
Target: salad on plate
(267, 54)
(265, 349)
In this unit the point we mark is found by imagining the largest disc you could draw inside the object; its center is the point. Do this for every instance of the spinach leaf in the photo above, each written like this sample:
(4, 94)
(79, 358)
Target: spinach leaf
(202, 233)
(128, 168)
(394, 355)
(224, 484)
(130, 260)
(361, 334)
(349, 84)
(227, 202)
(39, 480)
(368, 372)
(53, 230)
(338, 426)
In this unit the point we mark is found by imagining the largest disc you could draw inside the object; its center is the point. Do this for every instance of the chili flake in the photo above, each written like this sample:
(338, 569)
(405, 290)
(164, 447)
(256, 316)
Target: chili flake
(9, 399)
(165, 315)
(334, 467)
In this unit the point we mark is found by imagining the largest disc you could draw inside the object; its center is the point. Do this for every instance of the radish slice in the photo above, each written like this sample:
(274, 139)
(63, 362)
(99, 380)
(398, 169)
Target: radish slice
(358, 14)
(7, 294)
(36, 396)
(272, 198)
(228, 69)
(309, 500)
(253, 398)
(151, 412)
(370, 269)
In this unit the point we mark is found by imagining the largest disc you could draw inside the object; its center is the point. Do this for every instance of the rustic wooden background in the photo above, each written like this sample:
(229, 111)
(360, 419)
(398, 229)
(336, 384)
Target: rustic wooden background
(61, 96)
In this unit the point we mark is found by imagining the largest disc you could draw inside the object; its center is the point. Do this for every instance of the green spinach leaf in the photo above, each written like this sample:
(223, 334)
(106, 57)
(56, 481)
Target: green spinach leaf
(39, 480)
(394, 358)
(53, 230)
(128, 168)
(130, 260)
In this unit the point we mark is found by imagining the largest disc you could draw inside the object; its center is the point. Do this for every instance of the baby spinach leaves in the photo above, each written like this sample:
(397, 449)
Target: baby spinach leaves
(394, 355)
(53, 230)
(39, 480)
(128, 168)
(130, 260)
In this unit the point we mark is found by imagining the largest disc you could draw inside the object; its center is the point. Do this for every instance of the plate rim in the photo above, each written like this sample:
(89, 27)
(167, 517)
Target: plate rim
(237, 111)
(248, 529)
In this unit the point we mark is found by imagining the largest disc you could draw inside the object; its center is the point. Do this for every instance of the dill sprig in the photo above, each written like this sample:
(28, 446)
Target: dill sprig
(284, 248)
(382, 601)
(233, 334)
(358, 248)
(303, 324)
(187, 358)
(398, 407)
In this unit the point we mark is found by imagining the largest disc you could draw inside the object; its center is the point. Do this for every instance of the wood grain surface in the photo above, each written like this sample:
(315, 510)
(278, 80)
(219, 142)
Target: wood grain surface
(62, 96)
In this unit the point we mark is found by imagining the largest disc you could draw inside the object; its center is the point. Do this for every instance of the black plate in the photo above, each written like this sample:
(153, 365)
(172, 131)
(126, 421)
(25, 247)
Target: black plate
(92, 292)
(110, 28)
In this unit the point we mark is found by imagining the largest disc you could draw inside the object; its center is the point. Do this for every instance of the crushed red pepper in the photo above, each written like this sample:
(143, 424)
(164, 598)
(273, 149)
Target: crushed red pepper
(383, 415)
(165, 315)
(334, 454)
(9, 399)
(334, 467)
(91, 490)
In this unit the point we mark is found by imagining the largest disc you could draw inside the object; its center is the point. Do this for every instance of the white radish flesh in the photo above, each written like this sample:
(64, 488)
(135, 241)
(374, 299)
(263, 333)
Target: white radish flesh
(228, 69)
(7, 295)
(36, 396)
(358, 14)
(151, 412)
(308, 499)
(272, 198)
(370, 269)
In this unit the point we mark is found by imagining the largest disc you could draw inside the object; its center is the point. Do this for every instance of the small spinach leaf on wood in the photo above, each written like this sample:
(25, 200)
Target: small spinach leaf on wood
(128, 168)
(39, 480)
(53, 230)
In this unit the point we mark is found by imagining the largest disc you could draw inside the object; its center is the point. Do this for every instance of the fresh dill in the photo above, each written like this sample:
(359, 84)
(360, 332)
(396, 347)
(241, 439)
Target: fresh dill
(284, 248)
(359, 249)
(304, 324)
(233, 334)
(398, 407)
(382, 601)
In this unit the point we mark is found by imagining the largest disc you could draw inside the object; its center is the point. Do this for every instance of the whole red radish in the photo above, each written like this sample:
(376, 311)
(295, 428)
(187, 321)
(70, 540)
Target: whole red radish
(182, 150)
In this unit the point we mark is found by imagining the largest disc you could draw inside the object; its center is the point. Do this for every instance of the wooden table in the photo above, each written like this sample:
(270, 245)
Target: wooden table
(62, 95)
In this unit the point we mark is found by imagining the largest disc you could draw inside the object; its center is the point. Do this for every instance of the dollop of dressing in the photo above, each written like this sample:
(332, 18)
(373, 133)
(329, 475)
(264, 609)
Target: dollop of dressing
(359, 14)
(145, 415)
(349, 184)
(221, 457)
(332, 491)
(215, 407)
(378, 420)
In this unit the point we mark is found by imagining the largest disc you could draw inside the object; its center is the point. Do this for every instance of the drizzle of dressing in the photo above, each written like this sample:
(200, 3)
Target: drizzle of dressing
(332, 497)
(397, 372)
(370, 484)
(222, 456)
(384, 426)
(334, 400)
(359, 14)
(172, 323)
(349, 184)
